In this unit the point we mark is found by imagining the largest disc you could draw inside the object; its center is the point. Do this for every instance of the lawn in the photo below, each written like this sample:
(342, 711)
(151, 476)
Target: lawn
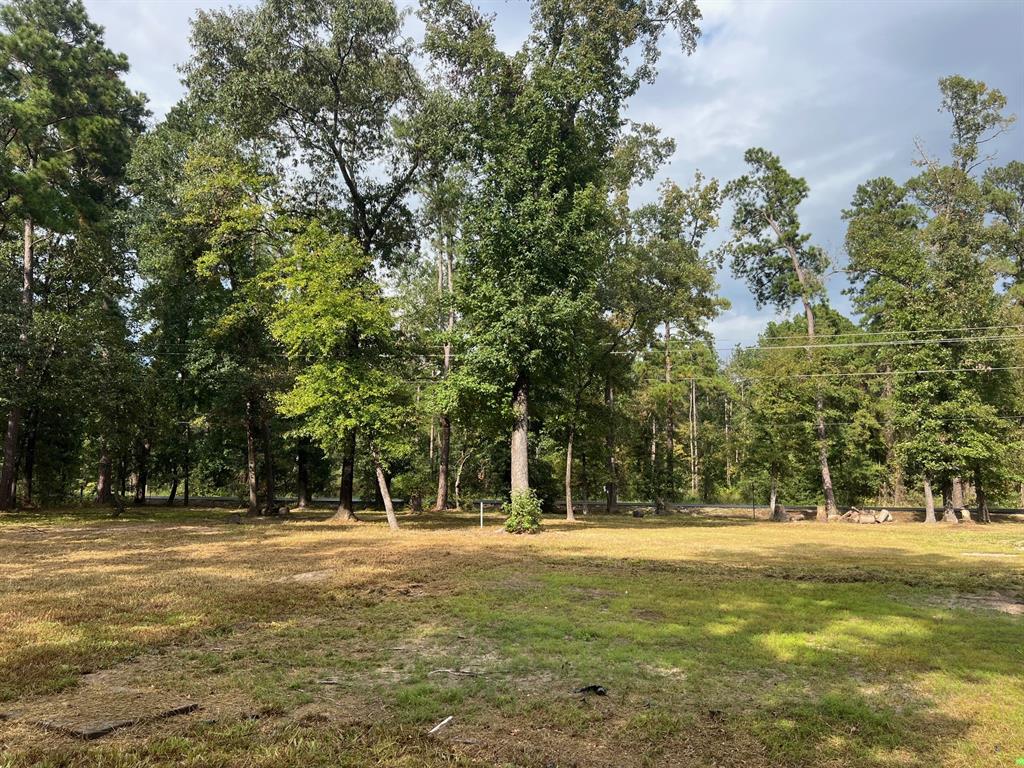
(719, 642)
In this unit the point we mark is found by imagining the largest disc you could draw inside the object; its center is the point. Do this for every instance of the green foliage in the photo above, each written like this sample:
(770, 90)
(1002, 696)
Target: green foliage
(768, 250)
(522, 512)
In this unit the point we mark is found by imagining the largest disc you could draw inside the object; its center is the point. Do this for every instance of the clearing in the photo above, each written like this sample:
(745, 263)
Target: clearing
(719, 642)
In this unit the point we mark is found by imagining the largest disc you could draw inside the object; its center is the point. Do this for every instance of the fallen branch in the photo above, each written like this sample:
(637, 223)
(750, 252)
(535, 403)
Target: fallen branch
(433, 731)
(463, 672)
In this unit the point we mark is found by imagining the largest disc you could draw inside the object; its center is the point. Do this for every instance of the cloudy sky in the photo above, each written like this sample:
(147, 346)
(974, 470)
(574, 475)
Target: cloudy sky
(840, 90)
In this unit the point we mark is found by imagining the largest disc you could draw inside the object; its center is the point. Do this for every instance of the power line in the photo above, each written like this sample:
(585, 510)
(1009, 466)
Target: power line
(841, 374)
(906, 333)
(888, 343)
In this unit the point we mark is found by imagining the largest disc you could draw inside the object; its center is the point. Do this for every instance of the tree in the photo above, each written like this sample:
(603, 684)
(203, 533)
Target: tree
(323, 287)
(333, 88)
(67, 121)
(920, 258)
(777, 260)
(543, 125)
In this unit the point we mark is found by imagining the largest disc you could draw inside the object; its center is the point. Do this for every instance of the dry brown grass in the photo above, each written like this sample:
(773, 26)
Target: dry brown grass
(721, 642)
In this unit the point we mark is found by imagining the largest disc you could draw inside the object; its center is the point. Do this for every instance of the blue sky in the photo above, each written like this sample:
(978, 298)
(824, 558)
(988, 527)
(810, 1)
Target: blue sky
(839, 89)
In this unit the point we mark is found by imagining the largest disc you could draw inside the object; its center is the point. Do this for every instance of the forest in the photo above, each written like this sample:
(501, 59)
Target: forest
(354, 265)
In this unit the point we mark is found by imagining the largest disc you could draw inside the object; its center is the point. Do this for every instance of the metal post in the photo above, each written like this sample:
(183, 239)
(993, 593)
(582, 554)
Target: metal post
(481, 514)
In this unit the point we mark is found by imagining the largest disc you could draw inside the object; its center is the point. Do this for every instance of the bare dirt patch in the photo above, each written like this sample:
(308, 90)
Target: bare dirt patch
(991, 601)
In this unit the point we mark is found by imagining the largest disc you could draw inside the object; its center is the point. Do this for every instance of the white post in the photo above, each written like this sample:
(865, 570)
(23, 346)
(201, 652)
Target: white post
(481, 514)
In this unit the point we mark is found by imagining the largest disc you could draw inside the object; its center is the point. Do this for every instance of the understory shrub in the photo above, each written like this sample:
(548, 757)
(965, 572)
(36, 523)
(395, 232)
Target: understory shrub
(522, 513)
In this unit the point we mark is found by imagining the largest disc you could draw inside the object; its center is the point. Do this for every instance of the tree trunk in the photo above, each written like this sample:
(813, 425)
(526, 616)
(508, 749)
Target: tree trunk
(819, 399)
(346, 509)
(929, 501)
(656, 481)
(979, 490)
(585, 481)
(188, 464)
(444, 453)
(728, 443)
(250, 457)
(103, 489)
(570, 514)
(612, 488)
(141, 470)
(773, 501)
(12, 437)
(444, 457)
(30, 457)
(958, 494)
(302, 472)
(948, 515)
(826, 475)
(268, 460)
(694, 447)
(174, 490)
(520, 429)
(385, 492)
(458, 480)
(670, 423)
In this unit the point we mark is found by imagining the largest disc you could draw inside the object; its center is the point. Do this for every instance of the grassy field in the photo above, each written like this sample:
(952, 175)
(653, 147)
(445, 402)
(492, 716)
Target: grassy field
(720, 642)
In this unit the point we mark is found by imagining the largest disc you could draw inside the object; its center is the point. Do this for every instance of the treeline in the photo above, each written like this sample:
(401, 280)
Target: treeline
(355, 264)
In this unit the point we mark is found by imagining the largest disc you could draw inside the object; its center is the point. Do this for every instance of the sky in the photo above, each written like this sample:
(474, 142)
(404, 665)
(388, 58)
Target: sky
(841, 90)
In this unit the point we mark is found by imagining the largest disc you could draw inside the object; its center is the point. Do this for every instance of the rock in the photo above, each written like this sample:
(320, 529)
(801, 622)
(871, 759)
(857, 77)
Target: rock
(884, 516)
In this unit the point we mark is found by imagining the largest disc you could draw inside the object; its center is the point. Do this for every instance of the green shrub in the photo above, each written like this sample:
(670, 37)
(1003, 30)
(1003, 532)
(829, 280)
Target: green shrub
(522, 514)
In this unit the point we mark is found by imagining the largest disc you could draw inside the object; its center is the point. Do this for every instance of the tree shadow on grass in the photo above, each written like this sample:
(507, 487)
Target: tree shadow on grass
(805, 656)
(732, 668)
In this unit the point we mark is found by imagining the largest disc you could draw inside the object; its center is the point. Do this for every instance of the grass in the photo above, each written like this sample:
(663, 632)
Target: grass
(721, 642)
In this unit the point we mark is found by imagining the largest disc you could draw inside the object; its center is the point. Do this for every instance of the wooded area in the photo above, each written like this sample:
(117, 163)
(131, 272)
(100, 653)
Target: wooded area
(352, 263)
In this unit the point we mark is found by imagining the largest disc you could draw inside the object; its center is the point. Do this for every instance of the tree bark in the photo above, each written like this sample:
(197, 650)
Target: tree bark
(656, 483)
(694, 446)
(30, 456)
(12, 436)
(670, 423)
(188, 464)
(103, 489)
(585, 481)
(773, 500)
(346, 509)
(385, 492)
(174, 490)
(302, 472)
(141, 470)
(458, 479)
(979, 490)
(958, 494)
(929, 501)
(444, 457)
(520, 430)
(444, 452)
(268, 460)
(570, 514)
(948, 515)
(250, 457)
(728, 445)
(612, 488)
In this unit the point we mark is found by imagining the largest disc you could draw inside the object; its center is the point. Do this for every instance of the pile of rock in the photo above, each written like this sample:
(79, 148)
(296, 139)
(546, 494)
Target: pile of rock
(855, 515)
